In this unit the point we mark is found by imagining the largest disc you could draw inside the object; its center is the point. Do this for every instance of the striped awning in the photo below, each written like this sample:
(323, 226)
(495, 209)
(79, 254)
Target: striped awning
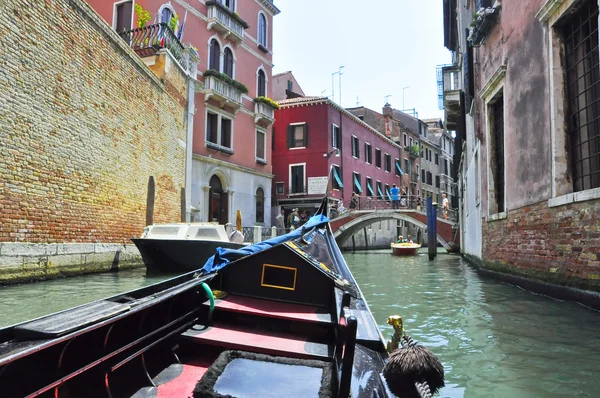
(357, 184)
(387, 191)
(379, 191)
(370, 189)
(399, 168)
(337, 178)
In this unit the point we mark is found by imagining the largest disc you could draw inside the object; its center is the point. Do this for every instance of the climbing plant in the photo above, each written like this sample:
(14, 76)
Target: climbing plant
(143, 15)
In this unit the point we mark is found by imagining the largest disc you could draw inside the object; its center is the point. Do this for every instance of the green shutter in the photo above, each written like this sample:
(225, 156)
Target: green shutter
(290, 136)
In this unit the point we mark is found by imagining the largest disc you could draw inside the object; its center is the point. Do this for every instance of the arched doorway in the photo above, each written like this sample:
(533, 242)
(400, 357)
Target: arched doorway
(218, 201)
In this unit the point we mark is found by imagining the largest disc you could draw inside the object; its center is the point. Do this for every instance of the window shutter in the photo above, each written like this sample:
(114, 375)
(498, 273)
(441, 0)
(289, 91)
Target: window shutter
(305, 127)
(290, 136)
(357, 149)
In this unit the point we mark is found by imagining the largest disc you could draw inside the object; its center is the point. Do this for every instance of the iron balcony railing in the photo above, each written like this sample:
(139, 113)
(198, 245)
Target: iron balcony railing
(223, 89)
(148, 40)
(223, 18)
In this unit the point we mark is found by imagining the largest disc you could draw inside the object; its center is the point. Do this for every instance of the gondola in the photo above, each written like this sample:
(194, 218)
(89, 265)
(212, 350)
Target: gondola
(284, 317)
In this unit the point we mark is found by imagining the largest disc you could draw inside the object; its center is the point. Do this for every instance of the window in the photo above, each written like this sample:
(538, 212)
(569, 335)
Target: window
(355, 147)
(437, 181)
(228, 62)
(368, 154)
(122, 16)
(388, 163)
(280, 188)
(228, 3)
(405, 142)
(260, 205)
(356, 186)
(219, 130)
(261, 86)
(212, 130)
(337, 182)
(377, 157)
(580, 36)
(411, 141)
(444, 143)
(261, 146)
(166, 15)
(496, 115)
(297, 135)
(387, 192)
(423, 176)
(297, 178)
(369, 184)
(336, 137)
(214, 55)
(379, 191)
(290, 85)
(437, 159)
(262, 30)
(446, 166)
(429, 178)
(399, 171)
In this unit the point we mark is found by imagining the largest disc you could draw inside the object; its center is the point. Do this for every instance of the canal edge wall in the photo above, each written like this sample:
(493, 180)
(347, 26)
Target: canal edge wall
(553, 285)
(27, 262)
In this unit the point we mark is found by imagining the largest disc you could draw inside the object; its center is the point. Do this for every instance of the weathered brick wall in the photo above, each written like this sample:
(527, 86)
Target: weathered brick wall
(83, 124)
(555, 244)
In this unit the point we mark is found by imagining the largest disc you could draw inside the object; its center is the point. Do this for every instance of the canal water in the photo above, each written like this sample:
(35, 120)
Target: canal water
(494, 339)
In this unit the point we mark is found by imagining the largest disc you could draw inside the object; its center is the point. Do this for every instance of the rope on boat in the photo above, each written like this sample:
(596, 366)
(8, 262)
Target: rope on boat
(211, 297)
(423, 389)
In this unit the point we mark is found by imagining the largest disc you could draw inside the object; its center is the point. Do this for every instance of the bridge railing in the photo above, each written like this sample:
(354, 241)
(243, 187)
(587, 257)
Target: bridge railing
(406, 202)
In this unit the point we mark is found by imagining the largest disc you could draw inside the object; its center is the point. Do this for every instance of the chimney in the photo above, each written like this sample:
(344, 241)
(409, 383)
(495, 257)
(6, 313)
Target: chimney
(387, 110)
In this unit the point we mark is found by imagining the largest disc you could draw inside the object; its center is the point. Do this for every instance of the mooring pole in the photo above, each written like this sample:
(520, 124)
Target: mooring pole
(431, 229)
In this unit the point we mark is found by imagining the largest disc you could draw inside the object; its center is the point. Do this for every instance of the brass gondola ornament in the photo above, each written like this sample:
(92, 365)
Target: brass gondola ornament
(411, 370)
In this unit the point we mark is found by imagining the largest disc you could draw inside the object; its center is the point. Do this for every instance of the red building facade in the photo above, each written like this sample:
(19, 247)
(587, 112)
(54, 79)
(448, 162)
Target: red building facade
(231, 162)
(307, 132)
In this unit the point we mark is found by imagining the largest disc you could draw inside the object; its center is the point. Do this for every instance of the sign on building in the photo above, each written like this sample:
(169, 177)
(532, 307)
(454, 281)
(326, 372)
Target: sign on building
(317, 185)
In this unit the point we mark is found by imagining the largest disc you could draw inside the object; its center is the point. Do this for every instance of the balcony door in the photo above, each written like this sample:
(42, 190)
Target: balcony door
(218, 208)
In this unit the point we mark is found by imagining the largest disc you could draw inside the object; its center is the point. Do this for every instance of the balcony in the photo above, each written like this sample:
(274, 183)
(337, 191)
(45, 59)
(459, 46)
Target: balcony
(452, 90)
(413, 151)
(484, 22)
(414, 178)
(263, 113)
(222, 20)
(223, 92)
(149, 40)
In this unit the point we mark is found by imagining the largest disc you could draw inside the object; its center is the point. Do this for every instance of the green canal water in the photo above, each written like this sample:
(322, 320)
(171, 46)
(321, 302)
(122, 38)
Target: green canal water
(494, 339)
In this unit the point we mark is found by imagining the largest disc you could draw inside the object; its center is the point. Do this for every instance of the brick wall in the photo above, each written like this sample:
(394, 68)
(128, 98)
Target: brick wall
(83, 124)
(555, 244)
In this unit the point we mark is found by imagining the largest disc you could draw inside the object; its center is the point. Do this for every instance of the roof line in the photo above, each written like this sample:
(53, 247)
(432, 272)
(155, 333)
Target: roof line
(318, 101)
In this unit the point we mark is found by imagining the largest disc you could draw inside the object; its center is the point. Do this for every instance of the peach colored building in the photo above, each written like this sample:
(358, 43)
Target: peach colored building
(229, 166)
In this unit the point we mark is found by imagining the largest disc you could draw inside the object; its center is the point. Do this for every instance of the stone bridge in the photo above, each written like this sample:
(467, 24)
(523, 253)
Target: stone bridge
(348, 224)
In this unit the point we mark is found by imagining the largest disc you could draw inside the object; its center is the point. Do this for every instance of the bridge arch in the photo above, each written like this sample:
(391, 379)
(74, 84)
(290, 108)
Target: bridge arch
(357, 222)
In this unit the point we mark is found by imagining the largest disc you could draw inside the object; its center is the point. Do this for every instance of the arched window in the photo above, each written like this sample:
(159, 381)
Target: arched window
(166, 15)
(214, 55)
(262, 30)
(260, 205)
(261, 89)
(228, 63)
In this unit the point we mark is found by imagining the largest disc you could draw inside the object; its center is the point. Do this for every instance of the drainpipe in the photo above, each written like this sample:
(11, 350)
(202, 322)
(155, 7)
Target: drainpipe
(192, 61)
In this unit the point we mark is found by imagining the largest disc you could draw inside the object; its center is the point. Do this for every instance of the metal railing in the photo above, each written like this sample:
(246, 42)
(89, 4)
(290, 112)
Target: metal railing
(148, 40)
(406, 202)
(224, 19)
(222, 88)
(264, 109)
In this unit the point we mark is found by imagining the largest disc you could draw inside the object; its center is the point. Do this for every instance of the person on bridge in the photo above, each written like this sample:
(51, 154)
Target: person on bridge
(354, 201)
(445, 206)
(394, 192)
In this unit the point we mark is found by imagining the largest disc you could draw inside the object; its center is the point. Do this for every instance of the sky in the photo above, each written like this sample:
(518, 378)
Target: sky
(384, 46)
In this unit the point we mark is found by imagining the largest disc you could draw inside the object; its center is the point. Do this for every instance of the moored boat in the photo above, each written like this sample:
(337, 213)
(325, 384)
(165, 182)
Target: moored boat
(405, 249)
(284, 317)
(180, 247)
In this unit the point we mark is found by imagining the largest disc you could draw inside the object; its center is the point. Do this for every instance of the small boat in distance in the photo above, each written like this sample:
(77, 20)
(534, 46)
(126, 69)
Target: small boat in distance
(181, 247)
(405, 249)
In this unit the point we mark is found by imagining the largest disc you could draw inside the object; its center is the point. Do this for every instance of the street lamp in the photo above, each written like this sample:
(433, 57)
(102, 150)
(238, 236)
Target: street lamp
(334, 150)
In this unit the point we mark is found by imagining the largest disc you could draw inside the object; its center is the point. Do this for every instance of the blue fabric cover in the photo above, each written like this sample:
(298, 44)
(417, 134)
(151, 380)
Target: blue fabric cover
(226, 256)
(399, 168)
(357, 183)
